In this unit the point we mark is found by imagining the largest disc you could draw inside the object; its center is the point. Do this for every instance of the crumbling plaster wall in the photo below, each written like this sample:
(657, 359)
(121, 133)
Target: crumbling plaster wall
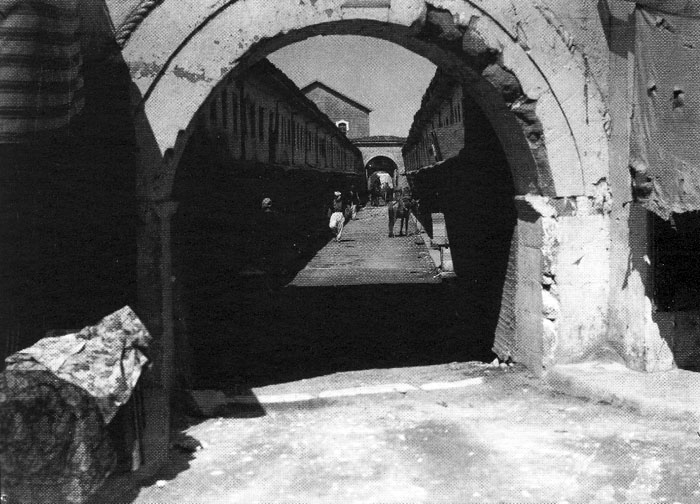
(603, 31)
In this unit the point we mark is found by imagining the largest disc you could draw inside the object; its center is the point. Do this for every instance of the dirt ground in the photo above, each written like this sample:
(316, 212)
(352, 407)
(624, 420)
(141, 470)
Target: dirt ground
(502, 437)
(506, 439)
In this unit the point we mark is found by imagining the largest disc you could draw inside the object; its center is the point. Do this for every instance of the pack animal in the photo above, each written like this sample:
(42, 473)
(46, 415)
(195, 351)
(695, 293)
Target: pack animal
(400, 209)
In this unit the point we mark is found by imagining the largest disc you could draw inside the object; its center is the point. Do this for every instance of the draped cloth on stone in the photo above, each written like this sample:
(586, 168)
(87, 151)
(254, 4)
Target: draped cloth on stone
(54, 446)
(105, 360)
(664, 156)
(56, 398)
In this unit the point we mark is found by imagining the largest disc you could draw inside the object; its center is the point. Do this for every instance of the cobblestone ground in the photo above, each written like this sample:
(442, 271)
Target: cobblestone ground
(504, 439)
(366, 255)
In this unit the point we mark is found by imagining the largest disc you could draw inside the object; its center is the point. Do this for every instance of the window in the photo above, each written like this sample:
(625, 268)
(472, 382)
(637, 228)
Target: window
(343, 126)
(252, 120)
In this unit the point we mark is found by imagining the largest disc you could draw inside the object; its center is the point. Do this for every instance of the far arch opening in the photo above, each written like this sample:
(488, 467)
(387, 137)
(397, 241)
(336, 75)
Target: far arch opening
(216, 240)
(476, 300)
(382, 170)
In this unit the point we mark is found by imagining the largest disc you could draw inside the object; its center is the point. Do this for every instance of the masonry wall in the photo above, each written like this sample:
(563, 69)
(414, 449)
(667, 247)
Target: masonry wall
(339, 110)
(634, 332)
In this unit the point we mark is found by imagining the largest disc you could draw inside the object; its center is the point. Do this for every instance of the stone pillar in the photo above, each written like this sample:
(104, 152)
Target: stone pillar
(525, 276)
(155, 308)
(556, 291)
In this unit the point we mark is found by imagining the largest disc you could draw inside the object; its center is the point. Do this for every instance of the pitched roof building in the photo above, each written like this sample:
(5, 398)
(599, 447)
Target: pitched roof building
(348, 114)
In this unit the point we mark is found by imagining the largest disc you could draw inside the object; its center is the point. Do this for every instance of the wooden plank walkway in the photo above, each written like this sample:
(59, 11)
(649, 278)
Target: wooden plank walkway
(366, 255)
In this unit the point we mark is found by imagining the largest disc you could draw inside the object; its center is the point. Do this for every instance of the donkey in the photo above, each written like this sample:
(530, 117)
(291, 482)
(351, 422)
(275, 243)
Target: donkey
(400, 209)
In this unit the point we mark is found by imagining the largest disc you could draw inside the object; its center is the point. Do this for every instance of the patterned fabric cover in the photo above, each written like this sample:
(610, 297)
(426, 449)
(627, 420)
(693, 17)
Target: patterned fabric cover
(54, 447)
(56, 398)
(105, 360)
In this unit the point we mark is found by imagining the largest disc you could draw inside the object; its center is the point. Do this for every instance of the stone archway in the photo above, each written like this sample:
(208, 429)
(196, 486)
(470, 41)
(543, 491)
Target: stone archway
(519, 69)
(387, 147)
(383, 164)
(533, 93)
(517, 83)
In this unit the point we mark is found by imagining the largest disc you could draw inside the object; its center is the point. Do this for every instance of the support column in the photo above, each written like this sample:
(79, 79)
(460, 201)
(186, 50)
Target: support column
(155, 307)
(524, 283)
(166, 210)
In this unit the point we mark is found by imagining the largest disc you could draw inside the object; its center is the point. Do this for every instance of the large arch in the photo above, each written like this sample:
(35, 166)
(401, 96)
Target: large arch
(520, 70)
(173, 79)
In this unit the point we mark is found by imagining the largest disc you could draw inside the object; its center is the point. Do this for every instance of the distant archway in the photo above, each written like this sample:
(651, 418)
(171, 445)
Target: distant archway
(383, 146)
(381, 164)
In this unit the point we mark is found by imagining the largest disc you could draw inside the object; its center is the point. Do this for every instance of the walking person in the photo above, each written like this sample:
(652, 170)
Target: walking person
(376, 190)
(354, 202)
(266, 229)
(336, 213)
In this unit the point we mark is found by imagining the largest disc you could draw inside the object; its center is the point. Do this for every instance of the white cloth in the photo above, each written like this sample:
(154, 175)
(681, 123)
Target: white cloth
(337, 220)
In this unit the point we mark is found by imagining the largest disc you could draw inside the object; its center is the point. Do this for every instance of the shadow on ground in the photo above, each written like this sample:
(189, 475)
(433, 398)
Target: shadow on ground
(250, 336)
(124, 487)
